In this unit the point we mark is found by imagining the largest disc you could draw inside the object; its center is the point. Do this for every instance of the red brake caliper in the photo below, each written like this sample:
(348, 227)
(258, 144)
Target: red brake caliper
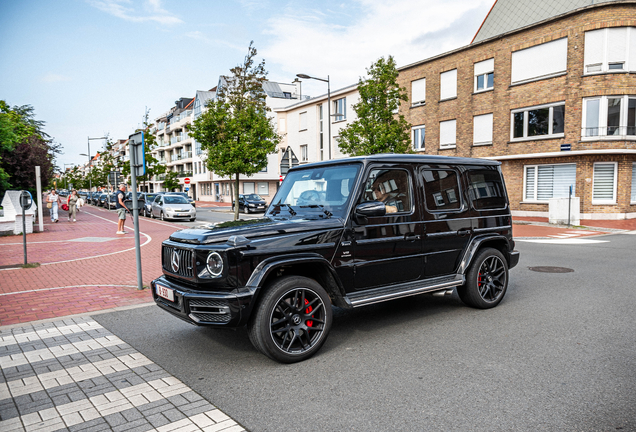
(308, 311)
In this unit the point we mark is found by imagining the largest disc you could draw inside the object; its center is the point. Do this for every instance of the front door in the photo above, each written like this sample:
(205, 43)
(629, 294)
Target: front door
(387, 249)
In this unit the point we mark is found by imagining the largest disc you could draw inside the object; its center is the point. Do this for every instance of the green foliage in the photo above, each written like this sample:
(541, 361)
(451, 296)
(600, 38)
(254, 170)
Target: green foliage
(378, 128)
(171, 182)
(235, 132)
(23, 146)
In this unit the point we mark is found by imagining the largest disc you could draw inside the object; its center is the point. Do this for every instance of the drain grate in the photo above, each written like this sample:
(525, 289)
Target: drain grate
(547, 269)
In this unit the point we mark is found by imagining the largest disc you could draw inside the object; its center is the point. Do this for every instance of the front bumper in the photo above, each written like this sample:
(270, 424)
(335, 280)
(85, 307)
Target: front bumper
(222, 309)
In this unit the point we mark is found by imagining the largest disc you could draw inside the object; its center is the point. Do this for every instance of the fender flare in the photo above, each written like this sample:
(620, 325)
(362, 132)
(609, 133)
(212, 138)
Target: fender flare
(474, 246)
(267, 266)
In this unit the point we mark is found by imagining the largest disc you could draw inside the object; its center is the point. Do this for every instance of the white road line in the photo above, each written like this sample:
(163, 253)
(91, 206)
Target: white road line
(70, 286)
(566, 241)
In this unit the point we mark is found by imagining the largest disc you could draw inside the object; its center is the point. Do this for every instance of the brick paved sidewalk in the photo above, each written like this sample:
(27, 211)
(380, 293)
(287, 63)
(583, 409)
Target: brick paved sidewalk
(84, 267)
(74, 375)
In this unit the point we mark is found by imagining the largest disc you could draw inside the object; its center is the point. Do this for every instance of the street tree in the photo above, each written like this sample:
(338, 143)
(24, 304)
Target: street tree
(378, 128)
(23, 146)
(171, 181)
(153, 167)
(235, 131)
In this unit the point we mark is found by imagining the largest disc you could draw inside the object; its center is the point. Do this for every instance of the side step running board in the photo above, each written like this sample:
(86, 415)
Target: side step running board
(377, 295)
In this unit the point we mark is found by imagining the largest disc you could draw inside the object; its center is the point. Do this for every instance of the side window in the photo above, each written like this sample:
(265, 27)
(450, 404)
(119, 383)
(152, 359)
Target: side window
(441, 190)
(486, 189)
(391, 187)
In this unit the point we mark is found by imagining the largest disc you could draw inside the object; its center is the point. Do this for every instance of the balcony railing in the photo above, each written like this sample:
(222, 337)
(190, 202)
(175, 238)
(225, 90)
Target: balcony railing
(182, 174)
(161, 126)
(176, 139)
(609, 131)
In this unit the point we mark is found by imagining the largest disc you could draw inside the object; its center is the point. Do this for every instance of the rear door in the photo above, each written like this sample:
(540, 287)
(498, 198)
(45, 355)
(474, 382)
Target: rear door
(448, 218)
(387, 249)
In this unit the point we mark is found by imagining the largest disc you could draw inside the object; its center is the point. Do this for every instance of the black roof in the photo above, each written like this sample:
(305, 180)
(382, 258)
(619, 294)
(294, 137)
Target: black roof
(403, 158)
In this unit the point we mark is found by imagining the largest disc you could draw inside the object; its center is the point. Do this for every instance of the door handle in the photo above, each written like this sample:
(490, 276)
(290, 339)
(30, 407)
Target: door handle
(463, 232)
(411, 237)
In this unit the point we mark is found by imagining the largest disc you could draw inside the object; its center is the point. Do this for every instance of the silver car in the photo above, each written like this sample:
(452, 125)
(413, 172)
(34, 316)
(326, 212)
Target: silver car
(172, 207)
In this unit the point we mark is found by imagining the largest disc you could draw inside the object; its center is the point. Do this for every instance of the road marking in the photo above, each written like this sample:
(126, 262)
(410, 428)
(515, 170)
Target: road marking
(564, 241)
(71, 286)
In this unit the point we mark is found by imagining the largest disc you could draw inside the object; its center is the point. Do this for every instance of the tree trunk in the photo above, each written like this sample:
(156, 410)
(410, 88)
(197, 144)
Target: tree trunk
(236, 197)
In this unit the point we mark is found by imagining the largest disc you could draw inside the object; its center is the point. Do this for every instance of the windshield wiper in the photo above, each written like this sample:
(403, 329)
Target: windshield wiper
(289, 209)
(321, 207)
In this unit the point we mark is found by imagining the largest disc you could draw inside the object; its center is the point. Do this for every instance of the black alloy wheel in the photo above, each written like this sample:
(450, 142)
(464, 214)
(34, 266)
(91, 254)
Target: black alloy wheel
(486, 281)
(292, 320)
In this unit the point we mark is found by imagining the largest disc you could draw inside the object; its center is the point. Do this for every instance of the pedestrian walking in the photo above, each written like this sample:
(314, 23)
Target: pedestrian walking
(121, 208)
(72, 202)
(53, 201)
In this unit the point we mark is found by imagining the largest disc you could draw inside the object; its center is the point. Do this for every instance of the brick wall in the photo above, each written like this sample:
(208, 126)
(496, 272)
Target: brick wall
(570, 88)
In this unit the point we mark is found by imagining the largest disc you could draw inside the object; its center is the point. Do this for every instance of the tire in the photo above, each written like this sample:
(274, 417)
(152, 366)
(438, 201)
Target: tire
(486, 280)
(285, 331)
(246, 210)
(161, 216)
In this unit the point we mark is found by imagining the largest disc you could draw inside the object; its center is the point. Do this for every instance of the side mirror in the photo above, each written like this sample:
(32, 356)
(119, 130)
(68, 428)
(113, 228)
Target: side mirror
(370, 209)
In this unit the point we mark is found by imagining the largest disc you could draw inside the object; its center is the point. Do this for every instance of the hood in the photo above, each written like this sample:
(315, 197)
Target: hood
(256, 228)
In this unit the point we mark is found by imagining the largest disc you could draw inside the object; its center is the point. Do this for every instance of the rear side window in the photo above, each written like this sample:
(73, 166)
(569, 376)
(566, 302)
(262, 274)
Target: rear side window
(486, 189)
(441, 190)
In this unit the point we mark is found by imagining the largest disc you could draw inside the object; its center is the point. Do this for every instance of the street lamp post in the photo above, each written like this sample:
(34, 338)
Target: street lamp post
(90, 185)
(304, 76)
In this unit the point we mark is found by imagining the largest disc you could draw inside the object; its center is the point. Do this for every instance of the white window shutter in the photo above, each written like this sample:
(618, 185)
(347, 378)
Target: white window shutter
(540, 60)
(447, 133)
(634, 183)
(484, 66)
(530, 174)
(418, 91)
(482, 129)
(617, 45)
(603, 188)
(448, 84)
(594, 46)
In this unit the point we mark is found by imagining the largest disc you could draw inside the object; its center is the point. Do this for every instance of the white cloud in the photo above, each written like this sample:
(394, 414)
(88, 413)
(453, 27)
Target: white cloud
(125, 10)
(305, 41)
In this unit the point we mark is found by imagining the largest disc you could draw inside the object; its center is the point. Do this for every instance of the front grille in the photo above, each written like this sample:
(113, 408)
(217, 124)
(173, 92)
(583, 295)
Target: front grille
(199, 302)
(212, 317)
(182, 257)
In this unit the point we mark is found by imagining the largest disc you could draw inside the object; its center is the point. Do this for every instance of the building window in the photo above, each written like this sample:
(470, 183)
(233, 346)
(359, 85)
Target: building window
(304, 157)
(610, 49)
(302, 121)
(542, 182)
(447, 135)
(340, 108)
(263, 188)
(485, 75)
(545, 121)
(540, 61)
(604, 183)
(419, 133)
(482, 129)
(248, 188)
(609, 116)
(633, 200)
(418, 92)
(448, 85)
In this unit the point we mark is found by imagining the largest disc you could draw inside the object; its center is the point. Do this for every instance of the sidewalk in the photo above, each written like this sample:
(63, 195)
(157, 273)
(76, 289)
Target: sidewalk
(84, 266)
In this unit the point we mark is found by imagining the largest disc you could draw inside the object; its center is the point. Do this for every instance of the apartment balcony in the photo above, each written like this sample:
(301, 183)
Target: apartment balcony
(176, 139)
(159, 177)
(183, 174)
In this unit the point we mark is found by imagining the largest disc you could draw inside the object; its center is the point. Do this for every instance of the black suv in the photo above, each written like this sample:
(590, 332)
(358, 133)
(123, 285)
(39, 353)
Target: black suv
(251, 203)
(348, 233)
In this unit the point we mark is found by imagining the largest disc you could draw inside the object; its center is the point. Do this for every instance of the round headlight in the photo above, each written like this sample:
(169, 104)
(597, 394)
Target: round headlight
(215, 264)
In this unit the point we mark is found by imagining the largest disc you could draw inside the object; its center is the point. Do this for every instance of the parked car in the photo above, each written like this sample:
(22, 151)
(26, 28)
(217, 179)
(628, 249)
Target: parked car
(148, 198)
(102, 199)
(111, 201)
(251, 203)
(172, 206)
(185, 195)
(381, 227)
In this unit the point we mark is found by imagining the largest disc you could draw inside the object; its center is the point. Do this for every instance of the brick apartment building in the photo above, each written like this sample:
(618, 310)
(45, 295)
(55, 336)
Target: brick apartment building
(548, 89)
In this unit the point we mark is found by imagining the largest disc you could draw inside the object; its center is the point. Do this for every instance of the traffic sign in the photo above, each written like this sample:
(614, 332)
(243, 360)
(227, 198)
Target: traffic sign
(187, 189)
(186, 180)
(137, 153)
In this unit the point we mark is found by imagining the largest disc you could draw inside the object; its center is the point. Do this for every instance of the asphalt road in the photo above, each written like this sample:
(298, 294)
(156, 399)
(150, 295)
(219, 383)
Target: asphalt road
(559, 353)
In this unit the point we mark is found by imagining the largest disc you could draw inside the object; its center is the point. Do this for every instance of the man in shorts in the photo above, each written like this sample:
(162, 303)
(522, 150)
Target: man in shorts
(121, 208)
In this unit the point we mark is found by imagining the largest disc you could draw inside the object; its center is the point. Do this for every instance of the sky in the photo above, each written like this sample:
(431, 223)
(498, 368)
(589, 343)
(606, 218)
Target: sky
(91, 68)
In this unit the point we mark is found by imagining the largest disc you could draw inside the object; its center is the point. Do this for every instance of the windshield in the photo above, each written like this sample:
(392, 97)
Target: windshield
(319, 190)
(253, 197)
(174, 199)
